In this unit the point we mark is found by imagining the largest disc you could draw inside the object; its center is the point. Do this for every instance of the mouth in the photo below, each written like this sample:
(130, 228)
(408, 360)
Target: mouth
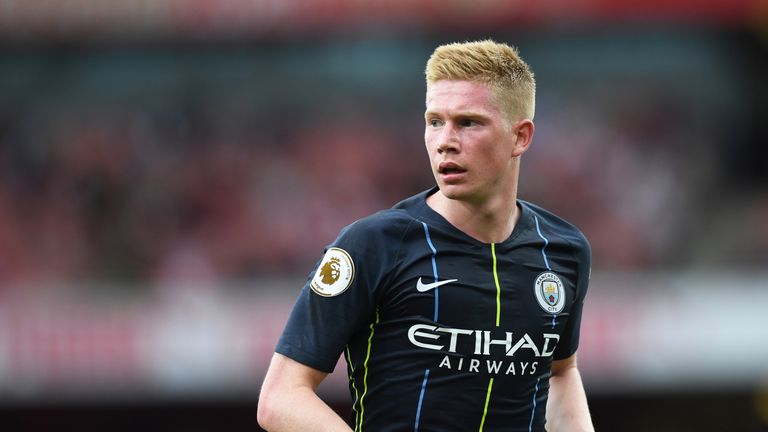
(448, 168)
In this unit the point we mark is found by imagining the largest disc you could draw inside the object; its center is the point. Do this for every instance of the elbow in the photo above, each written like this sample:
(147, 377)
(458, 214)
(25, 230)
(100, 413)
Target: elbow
(266, 414)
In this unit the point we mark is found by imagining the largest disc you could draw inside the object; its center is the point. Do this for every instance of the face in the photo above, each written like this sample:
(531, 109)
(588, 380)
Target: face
(472, 144)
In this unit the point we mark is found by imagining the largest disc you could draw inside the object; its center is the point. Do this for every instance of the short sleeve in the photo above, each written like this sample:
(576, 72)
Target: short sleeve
(341, 294)
(569, 341)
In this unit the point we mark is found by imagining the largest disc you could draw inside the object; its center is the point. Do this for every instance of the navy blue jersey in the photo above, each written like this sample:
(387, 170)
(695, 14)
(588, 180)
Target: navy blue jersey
(442, 332)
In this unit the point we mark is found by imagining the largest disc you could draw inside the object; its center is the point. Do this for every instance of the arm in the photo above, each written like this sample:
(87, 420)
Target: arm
(567, 406)
(288, 401)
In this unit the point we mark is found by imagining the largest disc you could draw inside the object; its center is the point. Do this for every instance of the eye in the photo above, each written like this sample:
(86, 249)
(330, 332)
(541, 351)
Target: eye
(434, 122)
(467, 122)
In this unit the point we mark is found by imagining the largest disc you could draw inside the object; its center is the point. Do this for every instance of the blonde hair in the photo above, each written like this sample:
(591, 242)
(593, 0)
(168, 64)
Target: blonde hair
(495, 64)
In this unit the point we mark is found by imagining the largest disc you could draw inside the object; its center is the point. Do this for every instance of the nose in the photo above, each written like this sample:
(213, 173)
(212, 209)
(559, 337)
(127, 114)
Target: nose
(448, 141)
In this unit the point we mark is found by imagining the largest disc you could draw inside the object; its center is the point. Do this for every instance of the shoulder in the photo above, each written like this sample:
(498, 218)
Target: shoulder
(555, 225)
(388, 223)
(373, 243)
(385, 224)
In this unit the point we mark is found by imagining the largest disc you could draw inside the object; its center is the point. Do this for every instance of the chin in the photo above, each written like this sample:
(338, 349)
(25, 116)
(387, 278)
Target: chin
(455, 192)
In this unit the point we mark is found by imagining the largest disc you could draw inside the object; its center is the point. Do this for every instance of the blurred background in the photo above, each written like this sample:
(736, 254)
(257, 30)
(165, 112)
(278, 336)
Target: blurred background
(170, 171)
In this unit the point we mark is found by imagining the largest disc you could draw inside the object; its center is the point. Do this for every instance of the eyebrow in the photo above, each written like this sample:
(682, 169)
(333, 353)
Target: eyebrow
(459, 114)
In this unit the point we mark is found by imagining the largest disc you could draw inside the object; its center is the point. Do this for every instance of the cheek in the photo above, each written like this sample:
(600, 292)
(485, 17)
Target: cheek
(429, 140)
(491, 158)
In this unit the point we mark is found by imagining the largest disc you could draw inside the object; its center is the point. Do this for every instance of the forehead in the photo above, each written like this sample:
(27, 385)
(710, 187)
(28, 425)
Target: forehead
(460, 96)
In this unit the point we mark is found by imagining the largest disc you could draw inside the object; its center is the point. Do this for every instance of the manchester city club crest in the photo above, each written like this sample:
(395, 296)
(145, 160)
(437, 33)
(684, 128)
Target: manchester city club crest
(335, 273)
(550, 292)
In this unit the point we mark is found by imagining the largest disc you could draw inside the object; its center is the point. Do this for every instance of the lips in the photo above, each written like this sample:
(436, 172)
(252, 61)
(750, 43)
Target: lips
(451, 173)
(450, 168)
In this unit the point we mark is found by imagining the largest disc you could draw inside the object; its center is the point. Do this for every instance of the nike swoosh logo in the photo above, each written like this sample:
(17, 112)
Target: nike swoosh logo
(422, 287)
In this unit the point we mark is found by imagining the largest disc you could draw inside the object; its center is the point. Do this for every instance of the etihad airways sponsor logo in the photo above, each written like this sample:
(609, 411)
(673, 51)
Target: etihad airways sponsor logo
(484, 341)
(493, 367)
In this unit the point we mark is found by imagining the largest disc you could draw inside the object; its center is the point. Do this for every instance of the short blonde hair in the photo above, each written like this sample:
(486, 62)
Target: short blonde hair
(495, 64)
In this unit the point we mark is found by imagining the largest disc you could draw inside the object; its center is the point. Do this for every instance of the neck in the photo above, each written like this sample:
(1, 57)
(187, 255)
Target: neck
(488, 221)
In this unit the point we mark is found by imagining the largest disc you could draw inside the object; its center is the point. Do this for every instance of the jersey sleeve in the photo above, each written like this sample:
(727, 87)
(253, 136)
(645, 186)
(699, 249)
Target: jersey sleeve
(340, 296)
(569, 341)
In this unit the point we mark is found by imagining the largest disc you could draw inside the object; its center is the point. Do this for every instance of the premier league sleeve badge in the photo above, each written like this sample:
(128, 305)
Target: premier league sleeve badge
(335, 273)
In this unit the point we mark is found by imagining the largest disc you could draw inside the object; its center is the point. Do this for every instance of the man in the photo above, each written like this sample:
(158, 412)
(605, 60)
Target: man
(459, 308)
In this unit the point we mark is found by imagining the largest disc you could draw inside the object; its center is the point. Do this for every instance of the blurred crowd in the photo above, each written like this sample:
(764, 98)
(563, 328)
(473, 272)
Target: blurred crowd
(128, 177)
(114, 194)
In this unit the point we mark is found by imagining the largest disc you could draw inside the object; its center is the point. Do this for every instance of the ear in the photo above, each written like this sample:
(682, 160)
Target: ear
(523, 136)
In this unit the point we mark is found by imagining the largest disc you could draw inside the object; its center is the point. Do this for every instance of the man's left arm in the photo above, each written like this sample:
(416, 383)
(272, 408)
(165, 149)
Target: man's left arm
(567, 409)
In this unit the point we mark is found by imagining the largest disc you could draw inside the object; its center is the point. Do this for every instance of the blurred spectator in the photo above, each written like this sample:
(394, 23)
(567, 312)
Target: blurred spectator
(174, 173)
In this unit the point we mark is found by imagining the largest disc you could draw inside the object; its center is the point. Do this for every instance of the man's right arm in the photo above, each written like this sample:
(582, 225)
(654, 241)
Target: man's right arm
(289, 402)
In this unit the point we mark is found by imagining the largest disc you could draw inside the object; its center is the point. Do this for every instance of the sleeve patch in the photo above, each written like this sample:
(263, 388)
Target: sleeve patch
(335, 273)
